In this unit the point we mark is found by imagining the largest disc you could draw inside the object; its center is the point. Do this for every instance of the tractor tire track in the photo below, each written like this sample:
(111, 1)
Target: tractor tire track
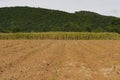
(10, 64)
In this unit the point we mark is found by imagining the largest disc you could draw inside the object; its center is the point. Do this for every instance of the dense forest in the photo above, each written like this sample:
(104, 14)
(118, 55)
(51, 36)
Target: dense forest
(27, 19)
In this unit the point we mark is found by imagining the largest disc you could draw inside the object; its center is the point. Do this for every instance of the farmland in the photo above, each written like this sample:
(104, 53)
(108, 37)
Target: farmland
(60, 36)
(59, 60)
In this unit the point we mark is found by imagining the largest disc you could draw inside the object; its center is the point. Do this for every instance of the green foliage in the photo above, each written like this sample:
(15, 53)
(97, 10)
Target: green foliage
(71, 27)
(26, 19)
(1, 30)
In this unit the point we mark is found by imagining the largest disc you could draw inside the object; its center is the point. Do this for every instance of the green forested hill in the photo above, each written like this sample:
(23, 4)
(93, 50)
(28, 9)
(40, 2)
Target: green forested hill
(26, 19)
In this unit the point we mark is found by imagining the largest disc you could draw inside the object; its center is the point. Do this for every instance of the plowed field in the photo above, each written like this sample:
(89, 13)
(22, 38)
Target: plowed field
(59, 60)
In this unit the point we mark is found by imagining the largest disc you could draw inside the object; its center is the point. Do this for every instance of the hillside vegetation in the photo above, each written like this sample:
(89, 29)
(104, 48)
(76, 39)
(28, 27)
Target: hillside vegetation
(26, 19)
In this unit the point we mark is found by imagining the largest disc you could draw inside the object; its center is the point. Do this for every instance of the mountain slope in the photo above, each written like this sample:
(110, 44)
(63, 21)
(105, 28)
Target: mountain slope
(26, 19)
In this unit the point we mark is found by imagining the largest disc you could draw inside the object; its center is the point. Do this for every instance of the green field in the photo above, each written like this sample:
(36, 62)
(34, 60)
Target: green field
(61, 36)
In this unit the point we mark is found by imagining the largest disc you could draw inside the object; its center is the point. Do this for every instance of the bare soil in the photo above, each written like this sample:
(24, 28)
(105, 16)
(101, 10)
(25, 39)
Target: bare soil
(59, 60)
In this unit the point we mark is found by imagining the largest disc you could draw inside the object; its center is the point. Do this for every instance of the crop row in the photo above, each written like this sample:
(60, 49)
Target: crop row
(61, 36)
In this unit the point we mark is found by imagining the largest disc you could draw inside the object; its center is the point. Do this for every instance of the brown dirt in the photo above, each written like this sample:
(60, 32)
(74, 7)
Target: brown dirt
(59, 60)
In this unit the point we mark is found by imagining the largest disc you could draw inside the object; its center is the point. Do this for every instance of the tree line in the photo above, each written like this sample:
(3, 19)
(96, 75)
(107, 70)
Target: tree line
(27, 19)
